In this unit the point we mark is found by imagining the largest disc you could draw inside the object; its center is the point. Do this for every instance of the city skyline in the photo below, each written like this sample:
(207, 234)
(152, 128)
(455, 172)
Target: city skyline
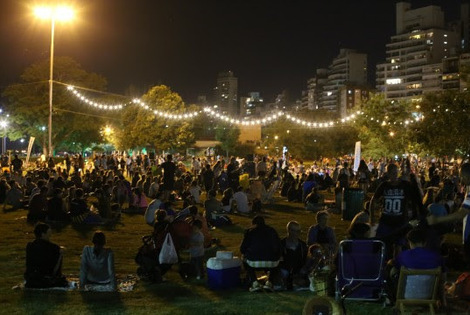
(269, 45)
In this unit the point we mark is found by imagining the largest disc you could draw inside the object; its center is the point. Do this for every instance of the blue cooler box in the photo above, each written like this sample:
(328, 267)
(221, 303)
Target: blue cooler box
(223, 273)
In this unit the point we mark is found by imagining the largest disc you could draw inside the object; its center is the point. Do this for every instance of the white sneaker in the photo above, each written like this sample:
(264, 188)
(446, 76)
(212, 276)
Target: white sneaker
(255, 287)
(268, 286)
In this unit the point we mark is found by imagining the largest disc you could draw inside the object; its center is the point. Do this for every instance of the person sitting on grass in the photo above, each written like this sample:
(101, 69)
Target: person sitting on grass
(139, 201)
(56, 207)
(294, 255)
(79, 211)
(261, 250)
(195, 191)
(14, 196)
(212, 206)
(314, 201)
(37, 206)
(103, 203)
(227, 200)
(322, 234)
(152, 208)
(43, 261)
(240, 201)
(97, 264)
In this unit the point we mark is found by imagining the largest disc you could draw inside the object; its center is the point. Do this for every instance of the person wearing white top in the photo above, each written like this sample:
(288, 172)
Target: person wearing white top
(241, 200)
(152, 209)
(195, 191)
(97, 265)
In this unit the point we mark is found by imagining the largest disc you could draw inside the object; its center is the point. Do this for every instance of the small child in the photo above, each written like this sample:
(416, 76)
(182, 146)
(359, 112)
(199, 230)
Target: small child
(315, 262)
(195, 191)
(196, 248)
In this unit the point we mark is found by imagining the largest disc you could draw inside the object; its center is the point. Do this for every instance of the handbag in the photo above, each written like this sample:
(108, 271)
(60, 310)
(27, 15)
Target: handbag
(168, 253)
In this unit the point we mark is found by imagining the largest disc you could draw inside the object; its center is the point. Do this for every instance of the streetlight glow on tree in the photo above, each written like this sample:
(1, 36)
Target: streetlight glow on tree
(57, 13)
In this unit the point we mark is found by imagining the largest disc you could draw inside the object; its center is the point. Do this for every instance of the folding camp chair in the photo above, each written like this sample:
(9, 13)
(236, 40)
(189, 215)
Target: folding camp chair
(418, 287)
(360, 266)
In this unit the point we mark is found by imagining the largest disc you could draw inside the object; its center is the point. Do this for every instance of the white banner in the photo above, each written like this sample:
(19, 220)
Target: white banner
(357, 156)
(30, 147)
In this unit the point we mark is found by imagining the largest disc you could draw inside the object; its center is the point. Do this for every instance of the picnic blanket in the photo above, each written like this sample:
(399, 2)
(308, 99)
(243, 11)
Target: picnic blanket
(124, 284)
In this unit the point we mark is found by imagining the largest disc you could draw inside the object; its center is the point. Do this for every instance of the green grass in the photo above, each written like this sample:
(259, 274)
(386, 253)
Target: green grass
(173, 297)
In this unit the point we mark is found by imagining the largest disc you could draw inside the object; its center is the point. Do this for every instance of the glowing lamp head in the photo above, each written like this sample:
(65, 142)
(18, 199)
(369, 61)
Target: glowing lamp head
(59, 13)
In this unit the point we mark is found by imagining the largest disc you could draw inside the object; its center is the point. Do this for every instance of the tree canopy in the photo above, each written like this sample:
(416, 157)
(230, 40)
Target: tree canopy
(141, 128)
(308, 143)
(443, 129)
(228, 136)
(382, 128)
(28, 104)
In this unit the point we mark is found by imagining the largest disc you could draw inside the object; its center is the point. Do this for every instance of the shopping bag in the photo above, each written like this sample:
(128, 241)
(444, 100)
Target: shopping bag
(168, 253)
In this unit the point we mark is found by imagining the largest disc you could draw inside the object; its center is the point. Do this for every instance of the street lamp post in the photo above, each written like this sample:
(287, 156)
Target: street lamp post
(4, 124)
(59, 13)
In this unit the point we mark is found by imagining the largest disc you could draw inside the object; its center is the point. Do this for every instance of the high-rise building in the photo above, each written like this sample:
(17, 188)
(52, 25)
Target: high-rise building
(251, 106)
(414, 57)
(349, 67)
(351, 96)
(226, 93)
(315, 89)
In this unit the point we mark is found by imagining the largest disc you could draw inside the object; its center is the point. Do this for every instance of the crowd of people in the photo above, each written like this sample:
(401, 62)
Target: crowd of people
(414, 202)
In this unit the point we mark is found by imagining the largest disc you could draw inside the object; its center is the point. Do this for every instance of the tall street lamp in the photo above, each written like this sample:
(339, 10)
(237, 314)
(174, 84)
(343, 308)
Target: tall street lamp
(57, 13)
(4, 124)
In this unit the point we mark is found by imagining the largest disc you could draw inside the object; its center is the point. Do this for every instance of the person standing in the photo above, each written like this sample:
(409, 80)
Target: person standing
(68, 163)
(17, 165)
(169, 169)
(233, 173)
(400, 202)
(196, 248)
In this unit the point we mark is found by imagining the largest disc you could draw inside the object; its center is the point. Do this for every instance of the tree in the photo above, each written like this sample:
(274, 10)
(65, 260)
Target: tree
(310, 143)
(383, 128)
(28, 104)
(443, 129)
(228, 136)
(140, 127)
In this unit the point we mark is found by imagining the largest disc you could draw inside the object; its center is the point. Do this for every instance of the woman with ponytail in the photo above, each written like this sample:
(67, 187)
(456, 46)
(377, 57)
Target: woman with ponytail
(97, 266)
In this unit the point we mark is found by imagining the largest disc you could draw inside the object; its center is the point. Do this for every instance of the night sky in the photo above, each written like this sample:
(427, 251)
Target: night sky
(269, 45)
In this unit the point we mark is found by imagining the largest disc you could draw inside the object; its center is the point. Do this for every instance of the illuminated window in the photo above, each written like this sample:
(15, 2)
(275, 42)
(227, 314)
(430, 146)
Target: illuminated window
(393, 81)
(414, 86)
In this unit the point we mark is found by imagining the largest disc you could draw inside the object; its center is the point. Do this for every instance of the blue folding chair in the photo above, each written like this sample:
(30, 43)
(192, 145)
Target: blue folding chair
(360, 270)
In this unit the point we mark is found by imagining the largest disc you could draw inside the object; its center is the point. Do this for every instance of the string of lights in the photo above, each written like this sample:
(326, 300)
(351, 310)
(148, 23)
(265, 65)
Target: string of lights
(163, 114)
(93, 103)
(247, 122)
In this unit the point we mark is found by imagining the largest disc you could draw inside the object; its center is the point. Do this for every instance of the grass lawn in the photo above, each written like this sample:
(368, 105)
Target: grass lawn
(173, 297)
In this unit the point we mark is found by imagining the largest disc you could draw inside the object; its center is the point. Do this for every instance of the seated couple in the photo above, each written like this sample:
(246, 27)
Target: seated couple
(44, 262)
